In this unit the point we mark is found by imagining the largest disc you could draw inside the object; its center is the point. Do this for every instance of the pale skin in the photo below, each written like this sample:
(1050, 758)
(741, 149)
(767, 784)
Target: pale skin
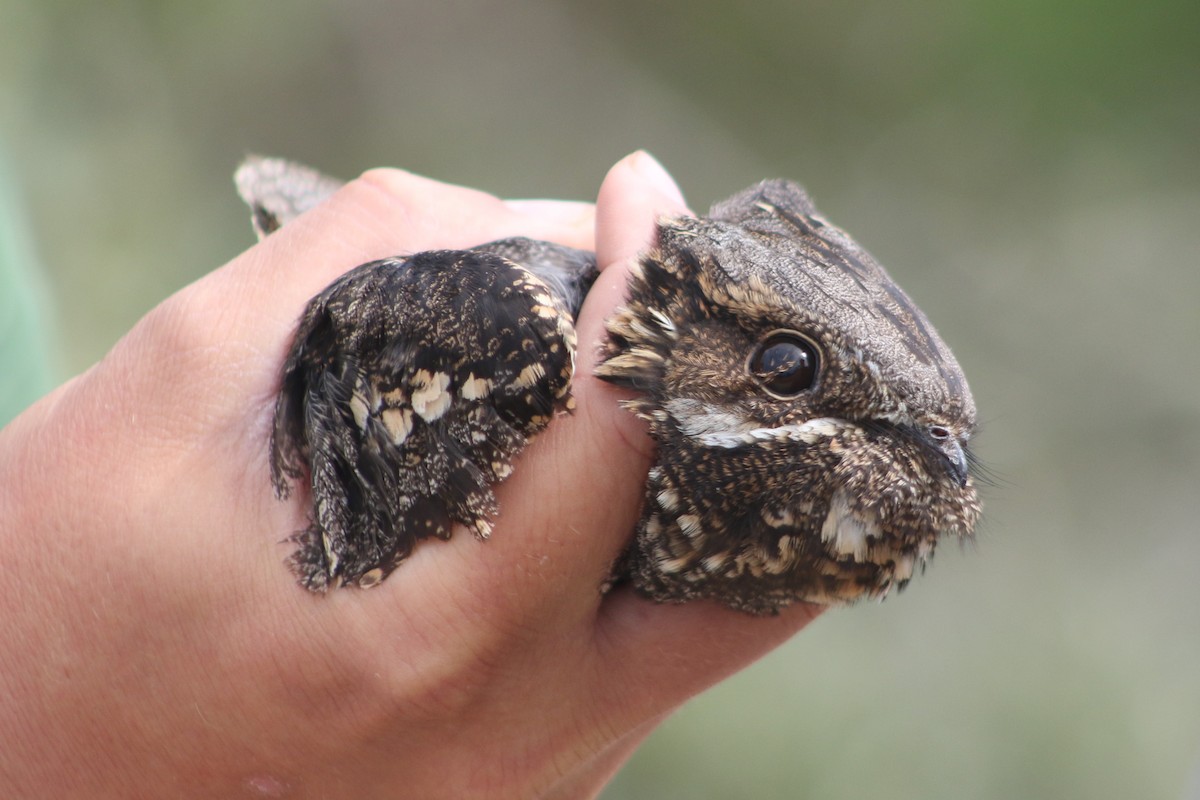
(154, 645)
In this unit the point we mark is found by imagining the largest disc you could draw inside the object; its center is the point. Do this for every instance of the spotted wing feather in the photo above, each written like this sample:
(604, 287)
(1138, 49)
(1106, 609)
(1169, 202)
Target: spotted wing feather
(411, 385)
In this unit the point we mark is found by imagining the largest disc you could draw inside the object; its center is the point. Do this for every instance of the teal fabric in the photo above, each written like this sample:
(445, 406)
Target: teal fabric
(25, 371)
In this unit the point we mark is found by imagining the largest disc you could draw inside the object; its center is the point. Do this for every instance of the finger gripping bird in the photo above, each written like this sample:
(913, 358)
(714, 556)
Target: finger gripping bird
(812, 428)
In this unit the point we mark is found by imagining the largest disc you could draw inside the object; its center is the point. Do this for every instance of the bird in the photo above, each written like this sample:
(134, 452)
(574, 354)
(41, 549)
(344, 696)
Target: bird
(812, 430)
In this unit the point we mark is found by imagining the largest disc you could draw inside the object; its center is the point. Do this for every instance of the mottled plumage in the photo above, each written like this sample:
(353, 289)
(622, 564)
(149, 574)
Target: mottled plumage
(811, 426)
(836, 487)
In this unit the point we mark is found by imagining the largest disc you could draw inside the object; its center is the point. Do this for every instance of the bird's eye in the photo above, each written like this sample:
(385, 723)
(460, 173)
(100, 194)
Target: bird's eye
(785, 363)
(939, 433)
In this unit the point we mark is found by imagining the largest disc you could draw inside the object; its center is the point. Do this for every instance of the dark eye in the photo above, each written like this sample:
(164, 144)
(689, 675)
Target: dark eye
(939, 433)
(786, 363)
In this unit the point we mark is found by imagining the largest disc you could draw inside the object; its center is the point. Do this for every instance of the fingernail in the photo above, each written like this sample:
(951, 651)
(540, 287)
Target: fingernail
(648, 168)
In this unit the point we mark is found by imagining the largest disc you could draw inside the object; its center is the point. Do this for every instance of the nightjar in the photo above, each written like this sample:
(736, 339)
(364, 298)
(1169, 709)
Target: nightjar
(812, 428)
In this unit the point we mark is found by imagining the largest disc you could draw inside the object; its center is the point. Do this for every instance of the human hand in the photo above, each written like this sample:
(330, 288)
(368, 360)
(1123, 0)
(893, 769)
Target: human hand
(154, 645)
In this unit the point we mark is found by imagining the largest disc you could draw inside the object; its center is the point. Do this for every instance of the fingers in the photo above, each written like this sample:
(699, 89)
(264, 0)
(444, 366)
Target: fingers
(611, 449)
(636, 191)
(201, 370)
(658, 655)
(634, 195)
(652, 657)
(578, 217)
(573, 500)
(655, 657)
(442, 215)
(386, 212)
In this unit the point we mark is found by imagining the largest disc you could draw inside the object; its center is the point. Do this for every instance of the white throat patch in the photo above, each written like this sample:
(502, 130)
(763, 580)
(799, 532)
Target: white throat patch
(716, 426)
(849, 533)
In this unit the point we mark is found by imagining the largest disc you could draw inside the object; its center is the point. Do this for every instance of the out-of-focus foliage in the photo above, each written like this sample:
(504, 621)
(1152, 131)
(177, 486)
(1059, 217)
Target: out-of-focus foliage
(1029, 171)
(24, 342)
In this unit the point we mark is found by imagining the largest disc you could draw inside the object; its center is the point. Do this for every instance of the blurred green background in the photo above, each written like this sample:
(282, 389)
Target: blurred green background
(1029, 171)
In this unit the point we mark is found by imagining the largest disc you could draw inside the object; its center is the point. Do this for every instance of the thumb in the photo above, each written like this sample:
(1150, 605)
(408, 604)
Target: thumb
(636, 192)
(660, 655)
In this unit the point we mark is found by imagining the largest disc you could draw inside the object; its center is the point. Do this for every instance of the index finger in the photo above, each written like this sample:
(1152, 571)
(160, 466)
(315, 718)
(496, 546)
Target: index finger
(385, 212)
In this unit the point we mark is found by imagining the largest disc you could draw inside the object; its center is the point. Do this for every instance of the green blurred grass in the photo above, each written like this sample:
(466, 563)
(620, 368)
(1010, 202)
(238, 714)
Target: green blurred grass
(1030, 172)
(25, 347)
